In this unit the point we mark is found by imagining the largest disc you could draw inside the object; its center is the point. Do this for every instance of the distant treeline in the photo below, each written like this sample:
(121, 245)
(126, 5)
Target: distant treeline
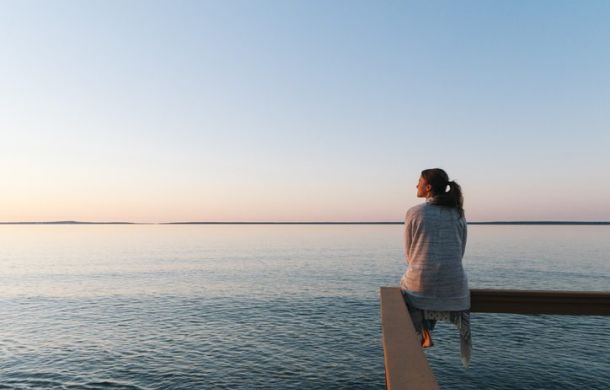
(392, 223)
(540, 223)
(303, 223)
(67, 223)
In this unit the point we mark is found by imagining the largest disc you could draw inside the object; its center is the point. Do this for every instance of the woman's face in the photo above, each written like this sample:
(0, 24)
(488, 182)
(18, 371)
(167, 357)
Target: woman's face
(423, 188)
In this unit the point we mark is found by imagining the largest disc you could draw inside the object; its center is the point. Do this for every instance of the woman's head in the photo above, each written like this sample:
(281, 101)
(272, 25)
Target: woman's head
(434, 183)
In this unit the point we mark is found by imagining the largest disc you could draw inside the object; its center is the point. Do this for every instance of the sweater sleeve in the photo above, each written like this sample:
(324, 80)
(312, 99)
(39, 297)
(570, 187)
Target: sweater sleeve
(407, 237)
(464, 237)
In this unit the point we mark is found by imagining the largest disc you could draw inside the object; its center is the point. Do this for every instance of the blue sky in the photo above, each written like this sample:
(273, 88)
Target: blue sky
(311, 110)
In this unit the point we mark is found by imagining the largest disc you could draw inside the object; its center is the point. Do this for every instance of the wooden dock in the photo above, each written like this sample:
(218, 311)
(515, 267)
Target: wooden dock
(406, 366)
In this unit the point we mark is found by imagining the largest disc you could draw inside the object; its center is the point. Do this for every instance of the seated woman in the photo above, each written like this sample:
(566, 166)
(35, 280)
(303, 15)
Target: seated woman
(435, 286)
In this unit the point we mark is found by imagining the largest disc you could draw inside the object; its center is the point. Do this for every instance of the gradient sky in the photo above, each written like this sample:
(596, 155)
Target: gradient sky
(302, 110)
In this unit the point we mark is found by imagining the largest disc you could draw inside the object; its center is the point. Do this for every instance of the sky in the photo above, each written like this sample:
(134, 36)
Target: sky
(159, 111)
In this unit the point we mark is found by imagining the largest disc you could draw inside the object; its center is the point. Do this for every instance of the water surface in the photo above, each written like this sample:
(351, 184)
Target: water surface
(277, 306)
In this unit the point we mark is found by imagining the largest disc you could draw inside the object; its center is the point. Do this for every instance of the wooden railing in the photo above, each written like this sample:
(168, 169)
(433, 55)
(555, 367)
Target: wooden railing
(540, 302)
(406, 366)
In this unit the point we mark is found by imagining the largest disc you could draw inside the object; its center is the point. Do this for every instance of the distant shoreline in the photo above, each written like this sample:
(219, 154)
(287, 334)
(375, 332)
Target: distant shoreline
(303, 223)
(541, 223)
(71, 223)
(391, 223)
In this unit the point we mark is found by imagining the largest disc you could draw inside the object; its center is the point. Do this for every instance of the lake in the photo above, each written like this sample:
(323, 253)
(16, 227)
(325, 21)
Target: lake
(278, 306)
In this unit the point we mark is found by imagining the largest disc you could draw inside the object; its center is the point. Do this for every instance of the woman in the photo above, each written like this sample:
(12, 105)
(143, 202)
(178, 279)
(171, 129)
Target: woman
(435, 285)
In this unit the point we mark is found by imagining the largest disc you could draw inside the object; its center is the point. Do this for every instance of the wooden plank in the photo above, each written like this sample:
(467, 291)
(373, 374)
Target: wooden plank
(595, 303)
(405, 363)
(406, 366)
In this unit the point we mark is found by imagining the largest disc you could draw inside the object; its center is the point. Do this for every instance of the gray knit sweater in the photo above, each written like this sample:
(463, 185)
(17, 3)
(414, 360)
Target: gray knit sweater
(435, 241)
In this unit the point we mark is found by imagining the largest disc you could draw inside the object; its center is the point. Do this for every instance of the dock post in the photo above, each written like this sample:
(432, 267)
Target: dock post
(406, 366)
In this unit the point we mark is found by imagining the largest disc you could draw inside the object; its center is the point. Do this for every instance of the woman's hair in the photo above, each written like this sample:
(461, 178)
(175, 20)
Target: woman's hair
(439, 180)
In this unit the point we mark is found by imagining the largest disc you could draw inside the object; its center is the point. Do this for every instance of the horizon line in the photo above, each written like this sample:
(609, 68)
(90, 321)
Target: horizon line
(518, 222)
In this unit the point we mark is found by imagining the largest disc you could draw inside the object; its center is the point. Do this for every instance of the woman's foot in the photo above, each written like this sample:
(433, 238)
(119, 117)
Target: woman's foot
(426, 339)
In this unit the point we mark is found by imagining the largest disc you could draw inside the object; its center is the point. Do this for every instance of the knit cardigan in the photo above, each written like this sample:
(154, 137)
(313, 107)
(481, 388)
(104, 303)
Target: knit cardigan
(435, 241)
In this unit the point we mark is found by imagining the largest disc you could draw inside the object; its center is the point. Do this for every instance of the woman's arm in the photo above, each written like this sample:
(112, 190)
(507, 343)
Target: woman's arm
(407, 237)
(464, 237)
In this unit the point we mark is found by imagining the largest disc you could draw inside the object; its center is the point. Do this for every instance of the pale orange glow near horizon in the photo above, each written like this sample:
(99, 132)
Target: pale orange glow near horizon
(290, 207)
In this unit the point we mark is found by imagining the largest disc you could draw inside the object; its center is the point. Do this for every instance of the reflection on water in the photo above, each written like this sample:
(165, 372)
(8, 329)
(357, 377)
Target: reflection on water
(288, 306)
